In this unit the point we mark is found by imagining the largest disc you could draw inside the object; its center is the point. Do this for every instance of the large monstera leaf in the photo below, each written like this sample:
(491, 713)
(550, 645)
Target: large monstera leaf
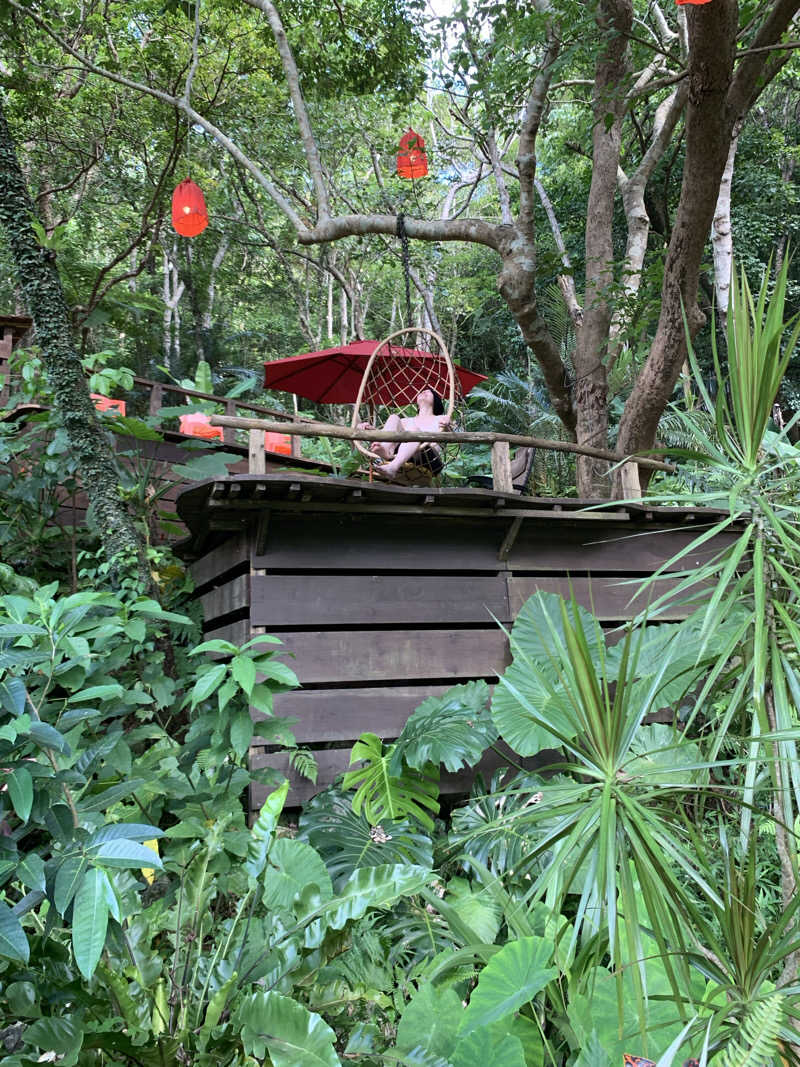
(454, 729)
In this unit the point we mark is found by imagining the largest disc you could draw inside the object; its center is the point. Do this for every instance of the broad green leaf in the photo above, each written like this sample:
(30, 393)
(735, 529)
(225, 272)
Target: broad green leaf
(208, 682)
(289, 1032)
(476, 907)
(124, 853)
(382, 795)
(510, 979)
(12, 695)
(124, 831)
(373, 887)
(593, 1054)
(20, 790)
(481, 1048)
(292, 866)
(454, 729)
(98, 692)
(244, 671)
(60, 1036)
(90, 920)
(278, 672)
(13, 942)
(431, 1020)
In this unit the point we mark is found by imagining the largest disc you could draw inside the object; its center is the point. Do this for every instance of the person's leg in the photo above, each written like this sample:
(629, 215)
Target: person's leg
(406, 450)
(386, 449)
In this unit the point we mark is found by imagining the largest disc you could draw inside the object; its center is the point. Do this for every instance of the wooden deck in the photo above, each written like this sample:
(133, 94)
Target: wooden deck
(387, 595)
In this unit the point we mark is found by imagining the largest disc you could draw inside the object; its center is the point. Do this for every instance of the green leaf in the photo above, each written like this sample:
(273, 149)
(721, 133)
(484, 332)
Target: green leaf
(61, 1036)
(292, 866)
(125, 831)
(263, 829)
(431, 1020)
(13, 942)
(48, 737)
(124, 853)
(20, 790)
(383, 795)
(68, 877)
(593, 1054)
(244, 671)
(372, 887)
(511, 978)
(483, 1047)
(90, 920)
(241, 733)
(278, 672)
(31, 872)
(98, 692)
(454, 729)
(208, 682)
(12, 696)
(290, 1033)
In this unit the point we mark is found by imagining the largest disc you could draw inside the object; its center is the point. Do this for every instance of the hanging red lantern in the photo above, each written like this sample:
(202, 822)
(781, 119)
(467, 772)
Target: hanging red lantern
(189, 214)
(411, 159)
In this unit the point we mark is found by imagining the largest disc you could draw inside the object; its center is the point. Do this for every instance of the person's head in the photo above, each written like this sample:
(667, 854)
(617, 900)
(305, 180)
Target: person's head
(432, 398)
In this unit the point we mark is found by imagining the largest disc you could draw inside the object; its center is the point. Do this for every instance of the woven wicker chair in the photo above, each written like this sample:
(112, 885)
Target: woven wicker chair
(393, 378)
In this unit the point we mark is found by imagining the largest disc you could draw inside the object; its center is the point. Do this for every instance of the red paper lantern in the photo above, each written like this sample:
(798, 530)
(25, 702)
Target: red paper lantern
(189, 214)
(411, 159)
(696, 3)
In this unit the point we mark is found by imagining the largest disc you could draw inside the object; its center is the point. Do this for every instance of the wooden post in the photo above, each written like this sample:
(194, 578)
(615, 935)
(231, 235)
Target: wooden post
(501, 468)
(257, 457)
(629, 482)
(297, 444)
(228, 432)
(157, 399)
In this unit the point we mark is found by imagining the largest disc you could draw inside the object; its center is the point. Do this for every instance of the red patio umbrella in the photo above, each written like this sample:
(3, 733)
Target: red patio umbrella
(333, 375)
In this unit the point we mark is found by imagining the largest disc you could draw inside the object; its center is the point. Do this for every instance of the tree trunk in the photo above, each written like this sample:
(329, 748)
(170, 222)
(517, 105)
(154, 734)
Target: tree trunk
(591, 387)
(709, 129)
(722, 237)
(44, 297)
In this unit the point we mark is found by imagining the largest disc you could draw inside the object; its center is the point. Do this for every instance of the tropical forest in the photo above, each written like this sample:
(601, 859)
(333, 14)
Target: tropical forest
(400, 533)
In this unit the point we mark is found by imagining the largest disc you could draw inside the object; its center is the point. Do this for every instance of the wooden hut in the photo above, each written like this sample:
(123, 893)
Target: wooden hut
(386, 595)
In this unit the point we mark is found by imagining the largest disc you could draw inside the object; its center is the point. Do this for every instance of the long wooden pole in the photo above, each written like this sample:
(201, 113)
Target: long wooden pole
(484, 437)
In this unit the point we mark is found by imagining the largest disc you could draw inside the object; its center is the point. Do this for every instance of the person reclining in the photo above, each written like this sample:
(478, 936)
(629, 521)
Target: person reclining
(430, 417)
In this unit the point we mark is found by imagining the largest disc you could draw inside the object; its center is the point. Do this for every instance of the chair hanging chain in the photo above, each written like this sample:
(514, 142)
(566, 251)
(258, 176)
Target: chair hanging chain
(401, 233)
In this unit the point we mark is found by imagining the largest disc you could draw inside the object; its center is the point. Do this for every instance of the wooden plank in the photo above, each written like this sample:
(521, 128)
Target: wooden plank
(609, 598)
(621, 549)
(345, 714)
(215, 564)
(335, 761)
(395, 655)
(236, 632)
(223, 599)
(374, 599)
(375, 543)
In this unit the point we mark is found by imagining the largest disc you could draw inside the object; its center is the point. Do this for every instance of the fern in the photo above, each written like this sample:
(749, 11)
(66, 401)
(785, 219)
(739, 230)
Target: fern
(380, 794)
(759, 1033)
(302, 760)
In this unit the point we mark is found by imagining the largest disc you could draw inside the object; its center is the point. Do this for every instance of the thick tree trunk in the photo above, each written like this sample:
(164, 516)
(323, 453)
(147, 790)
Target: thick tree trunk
(709, 128)
(591, 387)
(44, 297)
(722, 237)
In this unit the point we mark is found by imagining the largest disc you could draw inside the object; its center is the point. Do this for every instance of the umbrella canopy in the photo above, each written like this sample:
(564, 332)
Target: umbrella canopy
(333, 375)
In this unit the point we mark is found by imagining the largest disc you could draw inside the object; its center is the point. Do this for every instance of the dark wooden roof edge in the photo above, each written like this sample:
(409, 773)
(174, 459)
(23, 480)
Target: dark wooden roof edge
(214, 507)
(19, 324)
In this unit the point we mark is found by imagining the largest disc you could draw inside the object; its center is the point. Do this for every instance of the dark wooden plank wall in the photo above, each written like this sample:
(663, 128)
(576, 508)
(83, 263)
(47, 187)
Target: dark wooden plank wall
(378, 612)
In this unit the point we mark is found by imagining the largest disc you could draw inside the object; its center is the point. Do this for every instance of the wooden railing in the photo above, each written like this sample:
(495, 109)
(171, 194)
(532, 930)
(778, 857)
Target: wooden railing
(154, 402)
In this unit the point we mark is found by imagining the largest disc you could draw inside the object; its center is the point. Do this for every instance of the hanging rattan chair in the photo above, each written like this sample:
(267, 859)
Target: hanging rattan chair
(393, 378)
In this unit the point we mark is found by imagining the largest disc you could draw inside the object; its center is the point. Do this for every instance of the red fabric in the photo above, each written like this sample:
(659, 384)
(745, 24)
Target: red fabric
(333, 375)
(696, 3)
(105, 403)
(411, 159)
(278, 442)
(196, 424)
(189, 214)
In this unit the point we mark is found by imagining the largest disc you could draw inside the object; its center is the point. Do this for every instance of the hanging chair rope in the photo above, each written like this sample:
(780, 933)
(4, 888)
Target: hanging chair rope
(401, 233)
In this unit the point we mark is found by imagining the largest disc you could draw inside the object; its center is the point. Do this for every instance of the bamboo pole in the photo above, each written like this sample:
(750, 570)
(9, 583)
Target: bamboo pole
(483, 437)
